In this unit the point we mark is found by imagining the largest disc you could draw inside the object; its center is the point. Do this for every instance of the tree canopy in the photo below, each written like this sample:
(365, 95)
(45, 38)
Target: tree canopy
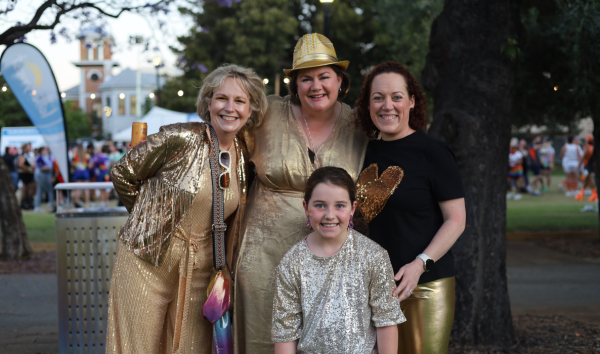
(11, 112)
(558, 73)
(262, 34)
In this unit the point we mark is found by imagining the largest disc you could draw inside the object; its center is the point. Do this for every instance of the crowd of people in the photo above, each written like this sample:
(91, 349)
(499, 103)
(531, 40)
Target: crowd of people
(36, 172)
(537, 158)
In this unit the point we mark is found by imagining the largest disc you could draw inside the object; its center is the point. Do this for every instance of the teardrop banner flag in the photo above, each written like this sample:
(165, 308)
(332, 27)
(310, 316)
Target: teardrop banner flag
(30, 78)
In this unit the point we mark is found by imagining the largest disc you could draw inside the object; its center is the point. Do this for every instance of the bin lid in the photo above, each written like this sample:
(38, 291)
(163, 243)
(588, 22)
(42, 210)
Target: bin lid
(92, 212)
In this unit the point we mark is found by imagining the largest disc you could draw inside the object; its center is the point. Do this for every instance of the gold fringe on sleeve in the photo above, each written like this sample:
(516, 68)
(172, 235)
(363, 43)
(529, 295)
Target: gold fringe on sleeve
(156, 214)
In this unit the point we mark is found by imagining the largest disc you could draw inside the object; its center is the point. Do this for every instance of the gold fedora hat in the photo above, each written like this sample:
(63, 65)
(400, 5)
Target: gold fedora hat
(314, 50)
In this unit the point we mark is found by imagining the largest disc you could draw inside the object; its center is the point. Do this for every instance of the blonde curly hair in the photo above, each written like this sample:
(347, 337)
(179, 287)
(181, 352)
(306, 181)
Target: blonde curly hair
(251, 83)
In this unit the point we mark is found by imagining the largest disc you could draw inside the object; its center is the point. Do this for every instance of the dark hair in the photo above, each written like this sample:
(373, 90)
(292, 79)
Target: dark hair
(417, 116)
(330, 175)
(6, 149)
(338, 177)
(570, 139)
(105, 149)
(91, 146)
(293, 86)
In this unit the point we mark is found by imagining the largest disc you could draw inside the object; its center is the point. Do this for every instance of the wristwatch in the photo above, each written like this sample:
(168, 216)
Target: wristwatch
(428, 263)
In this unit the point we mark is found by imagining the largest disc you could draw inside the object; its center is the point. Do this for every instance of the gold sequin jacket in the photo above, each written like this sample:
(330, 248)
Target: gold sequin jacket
(157, 181)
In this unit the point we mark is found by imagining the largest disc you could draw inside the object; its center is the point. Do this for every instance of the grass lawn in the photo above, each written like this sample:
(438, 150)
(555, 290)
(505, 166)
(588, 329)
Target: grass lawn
(40, 226)
(550, 212)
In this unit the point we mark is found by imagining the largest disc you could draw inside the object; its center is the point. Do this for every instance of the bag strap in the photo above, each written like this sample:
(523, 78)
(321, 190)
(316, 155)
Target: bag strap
(218, 227)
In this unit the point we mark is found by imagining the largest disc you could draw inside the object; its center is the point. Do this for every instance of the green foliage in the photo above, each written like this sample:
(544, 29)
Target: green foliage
(11, 112)
(559, 73)
(78, 123)
(407, 30)
(511, 49)
(169, 98)
(262, 34)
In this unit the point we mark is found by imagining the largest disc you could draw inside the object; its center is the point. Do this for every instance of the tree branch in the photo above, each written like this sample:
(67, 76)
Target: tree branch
(12, 34)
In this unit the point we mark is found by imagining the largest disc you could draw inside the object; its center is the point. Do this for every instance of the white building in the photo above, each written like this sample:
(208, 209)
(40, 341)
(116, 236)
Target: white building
(109, 100)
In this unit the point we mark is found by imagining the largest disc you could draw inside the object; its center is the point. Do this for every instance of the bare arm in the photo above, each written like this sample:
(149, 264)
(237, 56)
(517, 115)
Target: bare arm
(290, 347)
(387, 339)
(454, 214)
(562, 152)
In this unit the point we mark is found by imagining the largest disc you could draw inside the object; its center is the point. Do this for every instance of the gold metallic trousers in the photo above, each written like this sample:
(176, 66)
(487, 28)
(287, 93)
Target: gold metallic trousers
(158, 310)
(429, 314)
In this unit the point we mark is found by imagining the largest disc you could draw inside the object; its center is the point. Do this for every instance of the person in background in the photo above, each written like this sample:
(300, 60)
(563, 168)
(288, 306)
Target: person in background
(25, 167)
(81, 174)
(91, 152)
(535, 165)
(115, 154)
(100, 163)
(515, 170)
(56, 179)
(44, 168)
(10, 155)
(571, 155)
(588, 164)
(546, 157)
(525, 188)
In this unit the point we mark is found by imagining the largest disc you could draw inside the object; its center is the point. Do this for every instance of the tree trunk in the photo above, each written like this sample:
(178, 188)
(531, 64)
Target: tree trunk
(15, 244)
(473, 86)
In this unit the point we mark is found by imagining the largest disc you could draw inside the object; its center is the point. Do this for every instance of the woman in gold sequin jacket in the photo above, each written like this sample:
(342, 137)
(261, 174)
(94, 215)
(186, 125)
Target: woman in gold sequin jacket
(165, 256)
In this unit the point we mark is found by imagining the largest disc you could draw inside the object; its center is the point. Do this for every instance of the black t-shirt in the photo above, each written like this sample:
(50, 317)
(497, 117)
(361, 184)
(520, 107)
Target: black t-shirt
(412, 215)
(9, 159)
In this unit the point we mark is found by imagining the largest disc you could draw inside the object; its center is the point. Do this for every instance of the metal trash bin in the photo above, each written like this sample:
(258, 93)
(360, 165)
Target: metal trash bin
(86, 246)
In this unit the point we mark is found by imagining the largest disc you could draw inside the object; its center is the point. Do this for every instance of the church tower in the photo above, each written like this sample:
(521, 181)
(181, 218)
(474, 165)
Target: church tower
(95, 64)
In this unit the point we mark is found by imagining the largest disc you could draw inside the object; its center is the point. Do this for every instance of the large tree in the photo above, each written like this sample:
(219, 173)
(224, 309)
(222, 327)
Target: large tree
(262, 34)
(473, 83)
(47, 16)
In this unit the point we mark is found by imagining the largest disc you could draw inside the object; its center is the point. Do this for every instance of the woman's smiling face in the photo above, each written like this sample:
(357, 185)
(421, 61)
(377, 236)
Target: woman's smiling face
(318, 88)
(390, 105)
(229, 107)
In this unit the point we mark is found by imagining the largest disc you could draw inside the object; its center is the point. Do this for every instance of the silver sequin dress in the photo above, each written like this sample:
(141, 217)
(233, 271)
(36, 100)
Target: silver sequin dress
(334, 304)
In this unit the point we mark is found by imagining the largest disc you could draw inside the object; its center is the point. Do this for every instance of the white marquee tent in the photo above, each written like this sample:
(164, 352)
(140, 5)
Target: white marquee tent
(156, 118)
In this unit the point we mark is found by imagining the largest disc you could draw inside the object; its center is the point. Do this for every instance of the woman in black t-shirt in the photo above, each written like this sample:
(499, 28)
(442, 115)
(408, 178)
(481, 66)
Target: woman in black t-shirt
(423, 216)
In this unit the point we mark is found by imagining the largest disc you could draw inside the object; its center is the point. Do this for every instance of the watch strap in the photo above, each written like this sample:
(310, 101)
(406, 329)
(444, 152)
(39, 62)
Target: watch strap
(425, 258)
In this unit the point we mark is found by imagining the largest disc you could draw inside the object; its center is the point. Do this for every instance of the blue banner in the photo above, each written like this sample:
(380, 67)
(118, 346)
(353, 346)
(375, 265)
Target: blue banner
(30, 77)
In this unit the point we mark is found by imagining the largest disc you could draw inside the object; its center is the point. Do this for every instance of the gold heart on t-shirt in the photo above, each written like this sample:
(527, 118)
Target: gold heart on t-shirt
(372, 193)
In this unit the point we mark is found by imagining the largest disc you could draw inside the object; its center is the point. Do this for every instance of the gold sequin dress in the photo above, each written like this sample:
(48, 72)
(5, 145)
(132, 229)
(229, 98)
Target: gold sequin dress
(334, 304)
(155, 303)
(274, 220)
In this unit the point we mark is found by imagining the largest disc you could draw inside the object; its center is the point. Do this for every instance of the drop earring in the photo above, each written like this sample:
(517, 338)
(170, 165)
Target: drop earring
(351, 223)
(308, 225)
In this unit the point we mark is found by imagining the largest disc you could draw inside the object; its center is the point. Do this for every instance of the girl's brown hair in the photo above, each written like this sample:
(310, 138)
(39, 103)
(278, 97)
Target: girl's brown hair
(362, 115)
(338, 177)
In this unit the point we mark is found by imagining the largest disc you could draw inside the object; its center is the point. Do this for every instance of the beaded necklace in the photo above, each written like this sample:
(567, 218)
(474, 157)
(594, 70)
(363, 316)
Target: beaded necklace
(317, 163)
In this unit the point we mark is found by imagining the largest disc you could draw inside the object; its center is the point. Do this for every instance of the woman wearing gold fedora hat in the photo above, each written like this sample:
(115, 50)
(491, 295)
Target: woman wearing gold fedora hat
(301, 132)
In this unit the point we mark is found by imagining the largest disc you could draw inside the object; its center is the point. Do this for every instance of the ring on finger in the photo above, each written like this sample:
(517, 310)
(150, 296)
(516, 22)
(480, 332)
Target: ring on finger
(410, 291)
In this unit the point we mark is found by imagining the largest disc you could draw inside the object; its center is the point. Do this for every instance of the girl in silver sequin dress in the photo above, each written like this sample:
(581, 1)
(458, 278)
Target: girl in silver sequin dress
(334, 288)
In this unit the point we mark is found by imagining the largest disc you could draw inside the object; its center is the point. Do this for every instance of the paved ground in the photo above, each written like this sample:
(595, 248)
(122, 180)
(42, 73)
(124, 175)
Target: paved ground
(28, 314)
(540, 281)
(546, 282)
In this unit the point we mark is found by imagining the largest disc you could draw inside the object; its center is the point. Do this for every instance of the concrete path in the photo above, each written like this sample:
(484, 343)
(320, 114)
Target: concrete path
(540, 281)
(28, 314)
(546, 282)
